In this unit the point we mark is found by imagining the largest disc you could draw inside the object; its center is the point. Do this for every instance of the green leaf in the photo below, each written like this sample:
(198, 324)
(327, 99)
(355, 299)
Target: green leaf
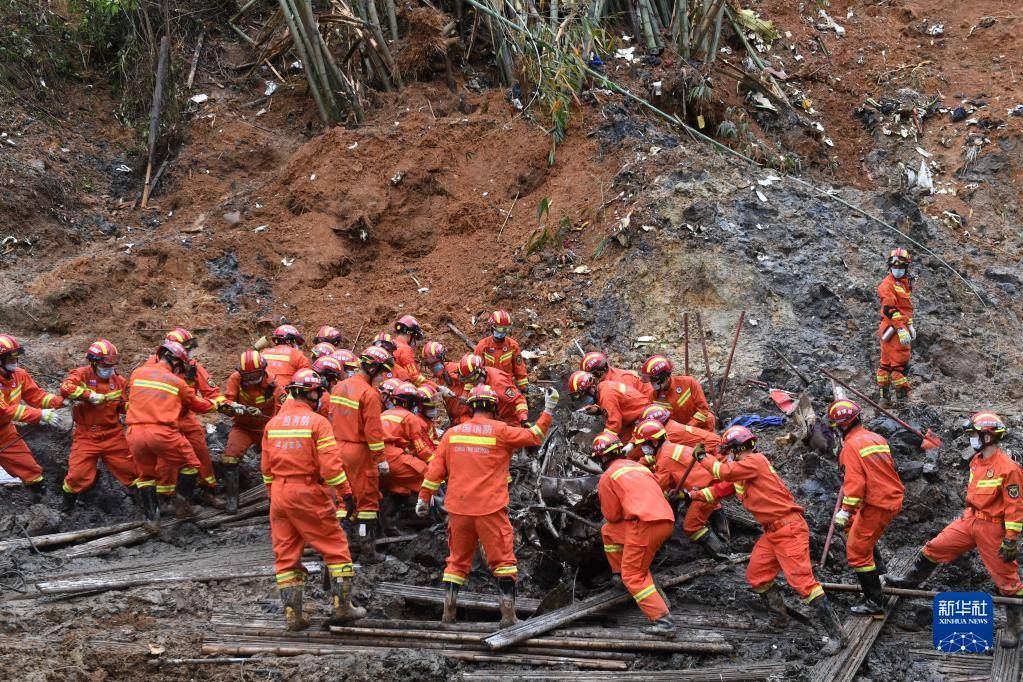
(543, 209)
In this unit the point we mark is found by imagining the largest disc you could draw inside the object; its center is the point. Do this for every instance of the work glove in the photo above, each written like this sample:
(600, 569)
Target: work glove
(904, 337)
(383, 467)
(912, 333)
(445, 392)
(699, 452)
(422, 508)
(253, 411)
(1008, 550)
(650, 460)
(525, 423)
(349, 503)
(56, 419)
(550, 398)
(842, 518)
(97, 398)
(627, 448)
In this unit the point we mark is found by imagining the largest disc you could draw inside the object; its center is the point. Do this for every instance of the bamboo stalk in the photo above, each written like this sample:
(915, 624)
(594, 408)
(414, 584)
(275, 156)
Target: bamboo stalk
(392, 18)
(914, 594)
(353, 99)
(308, 27)
(154, 113)
(67, 537)
(195, 60)
(706, 360)
(713, 52)
(646, 20)
(296, 38)
(382, 49)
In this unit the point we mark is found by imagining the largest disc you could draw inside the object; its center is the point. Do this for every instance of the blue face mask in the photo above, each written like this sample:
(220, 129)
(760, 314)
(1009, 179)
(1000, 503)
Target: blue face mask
(587, 400)
(350, 372)
(437, 368)
(105, 372)
(500, 335)
(898, 273)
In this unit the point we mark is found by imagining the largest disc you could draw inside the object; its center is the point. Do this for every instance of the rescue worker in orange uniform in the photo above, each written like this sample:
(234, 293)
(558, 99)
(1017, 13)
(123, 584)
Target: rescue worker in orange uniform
(321, 349)
(98, 432)
(785, 544)
(638, 521)
(502, 351)
(349, 361)
(408, 333)
(446, 375)
(474, 458)
(872, 495)
(328, 334)
(157, 393)
(250, 388)
(896, 329)
(408, 450)
(26, 403)
(681, 394)
(596, 364)
(670, 462)
(284, 358)
(429, 400)
(400, 372)
(355, 410)
(511, 404)
(622, 406)
(991, 524)
(331, 371)
(386, 389)
(300, 459)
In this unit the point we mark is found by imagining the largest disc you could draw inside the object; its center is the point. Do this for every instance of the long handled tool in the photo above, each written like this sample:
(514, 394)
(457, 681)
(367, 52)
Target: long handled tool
(831, 530)
(802, 377)
(685, 340)
(930, 441)
(728, 366)
(706, 359)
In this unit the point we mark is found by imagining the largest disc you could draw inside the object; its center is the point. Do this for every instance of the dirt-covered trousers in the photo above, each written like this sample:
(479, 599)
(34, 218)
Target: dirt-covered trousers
(867, 526)
(16, 458)
(158, 445)
(364, 478)
(88, 447)
(494, 532)
(697, 515)
(985, 533)
(630, 547)
(195, 434)
(302, 513)
(784, 547)
(894, 362)
(239, 440)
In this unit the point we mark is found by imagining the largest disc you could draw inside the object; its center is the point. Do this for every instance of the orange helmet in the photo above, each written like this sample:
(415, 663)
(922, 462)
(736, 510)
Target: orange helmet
(737, 438)
(470, 365)
(104, 353)
(328, 334)
(480, 395)
(328, 368)
(500, 318)
(581, 382)
(428, 393)
(987, 422)
(650, 430)
(376, 358)
(657, 412)
(286, 333)
(305, 380)
(406, 394)
(251, 362)
(387, 387)
(172, 350)
(899, 256)
(323, 349)
(182, 336)
(604, 445)
(407, 324)
(657, 366)
(385, 341)
(594, 362)
(346, 358)
(843, 413)
(434, 352)
(9, 346)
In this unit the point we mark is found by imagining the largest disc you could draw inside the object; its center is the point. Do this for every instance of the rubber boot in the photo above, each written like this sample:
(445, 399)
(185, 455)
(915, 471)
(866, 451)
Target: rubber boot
(450, 603)
(885, 393)
(662, 627)
(507, 602)
(1013, 623)
(166, 504)
(35, 492)
(368, 554)
(208, 497)
(901, 394)
(836, 636)
(291, 598)
(231, 487)
(388, 509)
(616, 581)
(879, 562)
(68, 502)
(150, 509)
(183, 507)
(873, 599)
(776, 605)
(713, 546)
(719, 524)
(341, 597)
(921, 570)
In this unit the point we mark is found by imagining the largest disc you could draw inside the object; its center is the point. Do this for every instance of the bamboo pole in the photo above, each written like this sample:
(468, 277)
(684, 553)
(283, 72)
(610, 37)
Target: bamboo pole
(706, 360)
(382, 48)
(154, 112)
(308, 27)
(647, 21)
(392, 18)
(195, 61)
(353, 99)
(713, 52)
(914, 594)
(723, 384)
(67, 537)
(296, 38)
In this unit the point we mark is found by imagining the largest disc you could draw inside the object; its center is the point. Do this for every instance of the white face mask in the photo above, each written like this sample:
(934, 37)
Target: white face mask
(191, 353)
(10, 367)
(647, 449)
(976, 443)
(898, 273)
(105, 372)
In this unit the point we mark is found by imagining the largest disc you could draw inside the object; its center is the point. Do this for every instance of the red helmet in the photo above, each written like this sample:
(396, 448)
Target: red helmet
(328, 334)
(434, 352)
(9, 345)
(842, 414)
(657, 412)
(286, 333)
(737, 438)
(604, 445)
(657, 366)
(385, 341)
(376, 357)
(407, 324)
(305, 380)
(581, 382)
(594, 362)
(500, 318)
(387, 387)
(899, 256)
(470, 365)
(323, 349)
(987, 422)
(251, 362)
(428, 392)
(328, 368)
(182, 336)
(650, 430)
(172, 350)
(406, 393)
(482, 394)
(104, 353)
(346, 358)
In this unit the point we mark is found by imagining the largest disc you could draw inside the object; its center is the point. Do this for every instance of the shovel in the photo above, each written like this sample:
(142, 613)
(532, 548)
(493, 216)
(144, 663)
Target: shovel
(930, 439)
(785, 401)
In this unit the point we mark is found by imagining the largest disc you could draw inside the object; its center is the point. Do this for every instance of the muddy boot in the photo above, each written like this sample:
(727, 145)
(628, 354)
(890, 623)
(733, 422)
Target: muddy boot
(873, 599)
(133, 493)
(885, 395)
(150, 509)
(208, 497)
(662, 627)
(291, 598)
(388, 511)
(231, 487)
(507, 602)
(879, 562)
(183, 507)
(450, 603)
(775, 603)
(166, 503)
(712, 545)
(368, 554)
(902, 394)
(616, 581)
(719, 524)
(836, 636)
(921, 570)
(35, 492)
(1013, 623)
(68, 502)
(341, 598)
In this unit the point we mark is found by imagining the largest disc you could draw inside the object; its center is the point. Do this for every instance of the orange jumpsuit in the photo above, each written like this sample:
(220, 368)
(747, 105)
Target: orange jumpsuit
(282, 362)
(684, 397)
(627, 377)
(19, 397)
(994, 511)
(672, 461)
(405, 358)
(98, 432)
(623, 406)
(247, 430)
(506, 356)
(407, 449)
(474, 458)
(156, 397)
(511, 404)
(193, 431)
(457, 410)
(785, 544)
(896, 312)
(871, 489)
(691, 436)
(639, 520)
(355, 408)
(300, 459)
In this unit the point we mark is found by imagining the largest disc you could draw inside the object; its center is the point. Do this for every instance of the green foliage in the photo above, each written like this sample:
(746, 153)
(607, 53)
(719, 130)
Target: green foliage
(544, 235)
(103, 29)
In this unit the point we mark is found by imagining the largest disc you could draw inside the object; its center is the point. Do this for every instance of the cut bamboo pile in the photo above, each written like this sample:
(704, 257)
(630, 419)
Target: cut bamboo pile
(468, 600)
(727, 673)
(72, 536)
(1005, 666)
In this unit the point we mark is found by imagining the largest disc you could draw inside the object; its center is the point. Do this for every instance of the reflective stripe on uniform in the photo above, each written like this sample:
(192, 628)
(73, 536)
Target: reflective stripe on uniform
(536, 431)
(864, 569)
(851, 501)
(324, 443)
(814, 593)
(990, 482)
(684, 398)
(289, 577)
(676, 454)
(874, 450)
(267, 480)
(507, 356)
(473, 440)
(289, 433)
(341, 570)
(612, 549)
(277, 356)
(366, 516)
(155, 385)
(624, 470)
(431, 485)
(337, 480)
(375, 446)
(716, 471)
(393, 418)
(347, 402)
(1012, 525)
(506, 570)
(452, 578)
(645, 592)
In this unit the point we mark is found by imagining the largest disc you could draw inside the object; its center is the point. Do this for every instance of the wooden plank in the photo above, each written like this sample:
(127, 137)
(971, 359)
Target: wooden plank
(52, 539)
(1005, 666)
(435, 595)
(753, 671)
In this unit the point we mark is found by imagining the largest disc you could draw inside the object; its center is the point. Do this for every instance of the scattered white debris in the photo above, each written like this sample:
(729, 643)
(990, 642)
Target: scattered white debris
(198, 99)
(353, 146)
(581, 270)
(271, 88)
(828, 141)
(123, 168)
(396, 178)
(768, 181)
(830, 24)
(936, 30)
(922, 152)
(626, 53)
(648, 228)
(312, 177)
(287, 262)
(261, 228)
(923, 178)
(761, 196)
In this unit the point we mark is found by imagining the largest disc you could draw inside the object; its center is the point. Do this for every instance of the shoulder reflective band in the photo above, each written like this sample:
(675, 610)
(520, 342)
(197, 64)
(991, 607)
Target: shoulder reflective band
(684, 398)
(277, 357)
(431, 485)
(326, 442)
(624, 470)
(677, 453)
(393, 418)
(474, 440)
(989, 482)
(507, 356)
(874, 450)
